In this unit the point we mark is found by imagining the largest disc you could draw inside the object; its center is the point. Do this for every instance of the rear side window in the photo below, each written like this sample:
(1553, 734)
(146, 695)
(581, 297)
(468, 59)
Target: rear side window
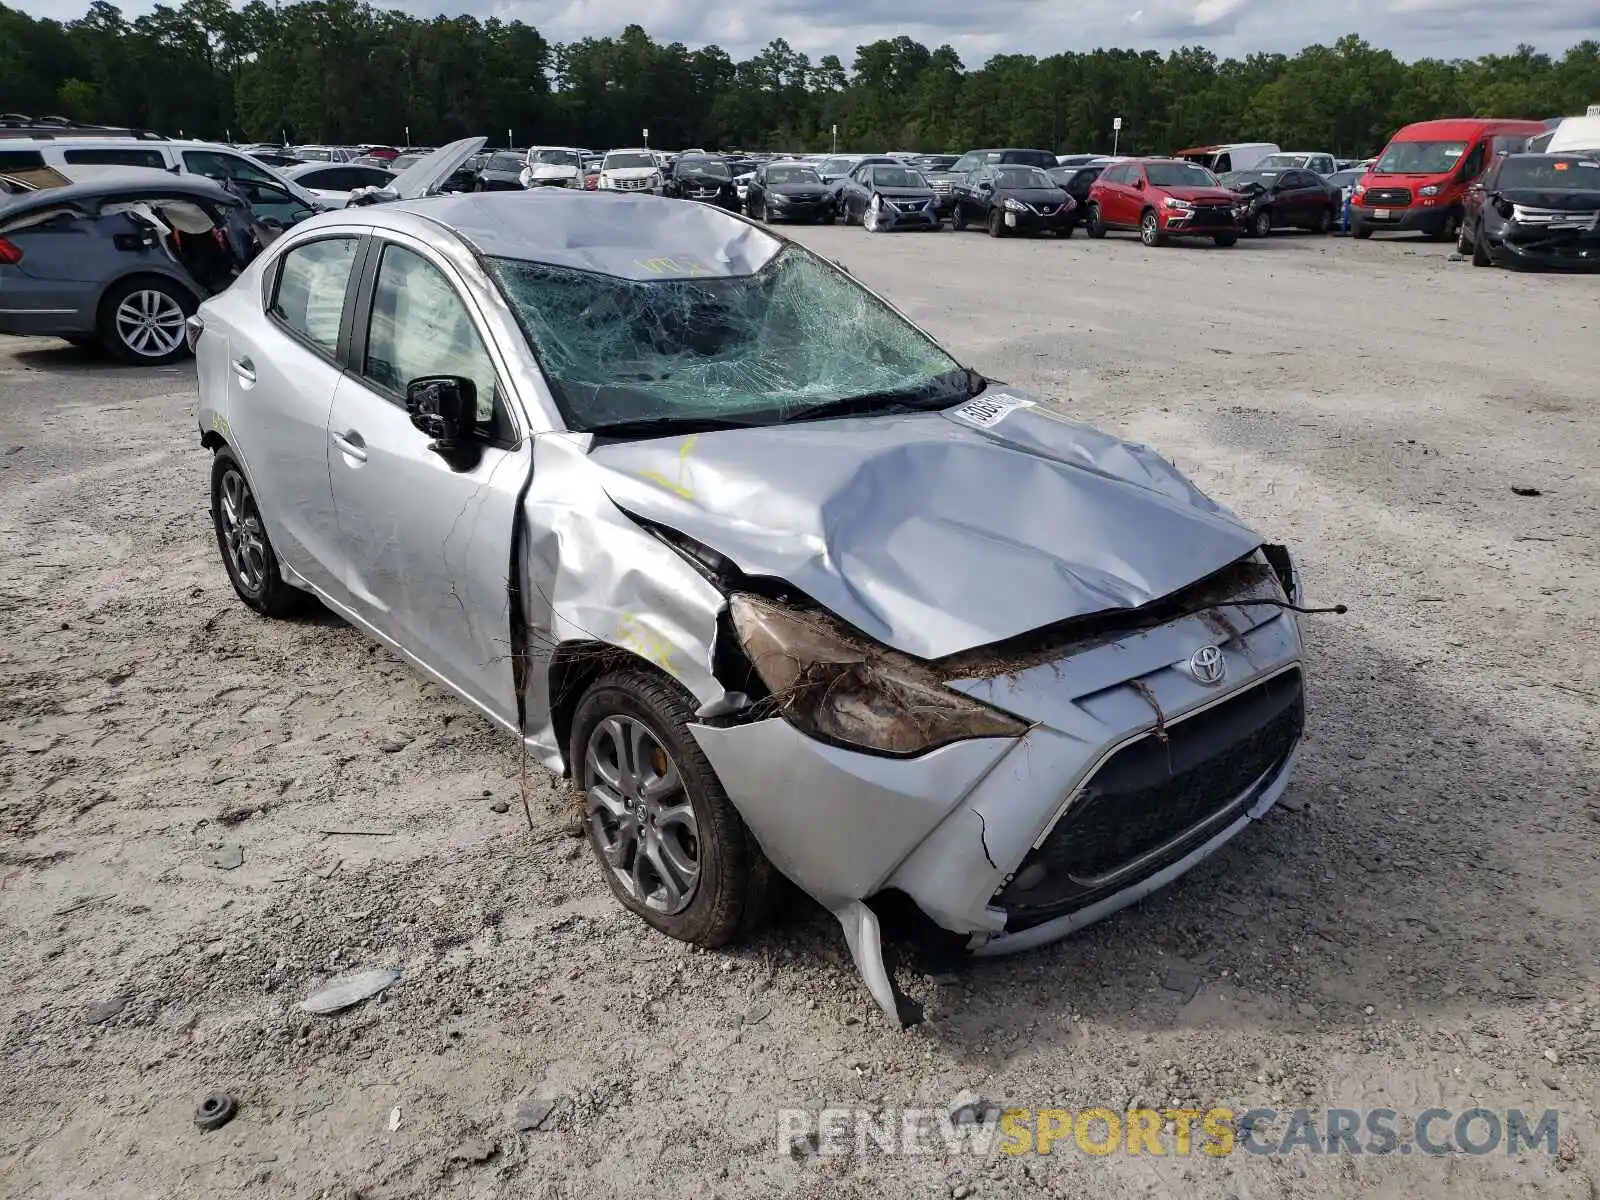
(309, 298)
(1222, 165)
(117, 156)
(13, 162)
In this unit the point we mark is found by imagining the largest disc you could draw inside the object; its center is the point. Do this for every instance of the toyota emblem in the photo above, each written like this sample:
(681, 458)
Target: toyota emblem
(1208, 665)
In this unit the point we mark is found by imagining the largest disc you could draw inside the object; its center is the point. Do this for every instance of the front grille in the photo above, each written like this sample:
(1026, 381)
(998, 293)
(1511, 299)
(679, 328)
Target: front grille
(1046, 210)
(909, 206)
(1387, 197)
(630, 185)
(1566, 218)
(942, 186)
(1213, 212)
(1156, 799)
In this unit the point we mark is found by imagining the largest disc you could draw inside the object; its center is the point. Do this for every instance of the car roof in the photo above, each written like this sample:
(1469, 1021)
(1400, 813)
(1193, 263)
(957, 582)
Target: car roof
(132, 183)
(613, 233)
(1451, 128)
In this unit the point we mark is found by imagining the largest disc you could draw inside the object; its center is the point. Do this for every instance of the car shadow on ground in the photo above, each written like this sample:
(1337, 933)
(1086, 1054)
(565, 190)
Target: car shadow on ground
(1392, 875)
(63, 358)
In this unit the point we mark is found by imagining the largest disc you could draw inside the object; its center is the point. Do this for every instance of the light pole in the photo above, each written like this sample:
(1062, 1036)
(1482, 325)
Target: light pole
(835, 139)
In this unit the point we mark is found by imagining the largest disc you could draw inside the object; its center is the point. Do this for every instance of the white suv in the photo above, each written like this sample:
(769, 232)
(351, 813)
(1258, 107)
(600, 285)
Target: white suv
(23, 154)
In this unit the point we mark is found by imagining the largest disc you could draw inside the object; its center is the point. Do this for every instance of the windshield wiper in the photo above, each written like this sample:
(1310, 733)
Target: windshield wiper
(923, 398)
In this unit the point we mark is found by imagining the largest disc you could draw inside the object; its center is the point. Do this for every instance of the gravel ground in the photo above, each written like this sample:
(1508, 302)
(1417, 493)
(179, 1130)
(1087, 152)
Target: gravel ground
(1412, 927)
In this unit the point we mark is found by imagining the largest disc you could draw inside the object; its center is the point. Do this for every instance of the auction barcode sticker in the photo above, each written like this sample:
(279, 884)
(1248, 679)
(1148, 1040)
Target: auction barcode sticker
(987, 411)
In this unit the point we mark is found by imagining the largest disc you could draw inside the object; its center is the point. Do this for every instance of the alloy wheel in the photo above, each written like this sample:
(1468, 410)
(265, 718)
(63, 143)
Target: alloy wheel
(640, 816)
(1149, 229)
(149, 322)
(242, 534)
(1263, 223)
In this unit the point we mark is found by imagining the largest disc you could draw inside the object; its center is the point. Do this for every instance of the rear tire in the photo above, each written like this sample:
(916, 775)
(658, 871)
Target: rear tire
(733, 883)
(1360, 232)
(1324, 221)
(247, 553)
(141, 321)
(1481, 257)
(1093, 225)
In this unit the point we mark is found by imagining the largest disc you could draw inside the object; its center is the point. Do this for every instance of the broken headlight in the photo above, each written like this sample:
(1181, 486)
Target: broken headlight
(836, 686)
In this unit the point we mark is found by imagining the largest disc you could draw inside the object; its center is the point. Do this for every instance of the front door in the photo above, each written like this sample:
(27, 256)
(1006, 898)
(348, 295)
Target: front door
(425, 548)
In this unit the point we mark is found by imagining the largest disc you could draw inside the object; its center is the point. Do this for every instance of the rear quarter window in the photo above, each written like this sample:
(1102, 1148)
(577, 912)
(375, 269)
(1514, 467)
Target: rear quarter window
(13, 162)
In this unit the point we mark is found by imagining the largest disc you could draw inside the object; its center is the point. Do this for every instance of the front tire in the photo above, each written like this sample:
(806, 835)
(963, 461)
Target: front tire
(1150, 228)
(1481, 256)
(672, 846)
(997, 225)
(958, 218)
(141, 321)
(1262, 225)
(872, 217)
(1226, 239)
(247, 552)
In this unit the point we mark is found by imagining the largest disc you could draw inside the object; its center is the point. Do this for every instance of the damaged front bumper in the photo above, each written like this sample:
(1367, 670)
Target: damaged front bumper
(1133, 771)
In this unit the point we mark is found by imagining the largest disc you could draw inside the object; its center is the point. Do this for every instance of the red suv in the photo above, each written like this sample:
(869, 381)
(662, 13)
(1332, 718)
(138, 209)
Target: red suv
(1162, 198)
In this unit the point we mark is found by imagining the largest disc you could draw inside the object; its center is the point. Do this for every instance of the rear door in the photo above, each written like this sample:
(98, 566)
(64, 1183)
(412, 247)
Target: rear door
(282, 372)
(425, 549)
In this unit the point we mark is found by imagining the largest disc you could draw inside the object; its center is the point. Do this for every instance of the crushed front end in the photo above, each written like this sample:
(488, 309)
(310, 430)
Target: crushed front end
(1121, 751)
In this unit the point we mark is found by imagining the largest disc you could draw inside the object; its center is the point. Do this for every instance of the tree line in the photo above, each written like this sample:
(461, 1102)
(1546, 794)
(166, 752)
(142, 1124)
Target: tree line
(344, 72)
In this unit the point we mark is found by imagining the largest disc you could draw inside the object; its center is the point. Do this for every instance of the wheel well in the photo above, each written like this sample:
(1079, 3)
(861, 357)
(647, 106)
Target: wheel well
(212, 440)
(574, 666)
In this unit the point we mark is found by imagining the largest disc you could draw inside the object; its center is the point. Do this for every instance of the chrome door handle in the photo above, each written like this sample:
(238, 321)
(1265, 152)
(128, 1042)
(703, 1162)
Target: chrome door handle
(244, 369)
(351, 443)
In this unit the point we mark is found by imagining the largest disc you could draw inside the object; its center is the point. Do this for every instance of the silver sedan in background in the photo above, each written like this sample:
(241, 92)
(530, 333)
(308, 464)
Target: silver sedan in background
(777, 581)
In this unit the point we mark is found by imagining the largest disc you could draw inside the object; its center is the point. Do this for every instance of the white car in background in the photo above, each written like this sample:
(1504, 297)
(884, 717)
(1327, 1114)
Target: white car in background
(631, 171)
(332, 182)
(554, 166)
(1299, 160)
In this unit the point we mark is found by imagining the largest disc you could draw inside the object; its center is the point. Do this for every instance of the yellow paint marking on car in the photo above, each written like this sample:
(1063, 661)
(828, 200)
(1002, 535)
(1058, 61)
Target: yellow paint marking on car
(681, 487)
(646, 643)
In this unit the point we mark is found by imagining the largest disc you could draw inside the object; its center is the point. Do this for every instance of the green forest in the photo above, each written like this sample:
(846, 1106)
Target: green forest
(337, 71)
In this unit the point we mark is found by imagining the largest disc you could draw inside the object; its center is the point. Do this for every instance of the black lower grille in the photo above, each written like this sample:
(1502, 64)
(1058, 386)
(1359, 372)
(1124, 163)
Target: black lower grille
(1387, 197)
(1159, 794)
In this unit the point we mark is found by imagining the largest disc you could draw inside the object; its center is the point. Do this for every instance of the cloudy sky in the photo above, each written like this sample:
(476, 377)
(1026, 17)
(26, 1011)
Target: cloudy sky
(980, 28)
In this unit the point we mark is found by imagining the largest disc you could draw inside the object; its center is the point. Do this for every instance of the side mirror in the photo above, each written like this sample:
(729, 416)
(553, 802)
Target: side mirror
(985, 186)
(445, 407)
(1139, 183)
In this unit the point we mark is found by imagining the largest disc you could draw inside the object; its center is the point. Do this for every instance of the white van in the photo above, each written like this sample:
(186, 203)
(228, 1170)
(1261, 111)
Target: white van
(1234, 156)
(20, 155)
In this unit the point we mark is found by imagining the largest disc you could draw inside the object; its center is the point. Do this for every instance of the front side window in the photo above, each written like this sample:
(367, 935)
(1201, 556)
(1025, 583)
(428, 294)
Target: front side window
(420, 326)
(309, 298)
(117, 157)
(216, 165)
(748, 349)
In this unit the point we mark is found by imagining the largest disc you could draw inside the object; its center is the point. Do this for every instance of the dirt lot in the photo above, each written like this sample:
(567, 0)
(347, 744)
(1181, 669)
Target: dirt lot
(1414, 927)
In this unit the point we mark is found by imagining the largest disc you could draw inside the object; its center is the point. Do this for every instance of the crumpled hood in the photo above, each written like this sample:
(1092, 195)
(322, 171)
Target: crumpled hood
(936, 532)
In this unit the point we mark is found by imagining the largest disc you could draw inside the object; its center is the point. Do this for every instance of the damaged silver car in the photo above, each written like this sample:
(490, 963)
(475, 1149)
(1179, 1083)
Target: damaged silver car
(778, 582)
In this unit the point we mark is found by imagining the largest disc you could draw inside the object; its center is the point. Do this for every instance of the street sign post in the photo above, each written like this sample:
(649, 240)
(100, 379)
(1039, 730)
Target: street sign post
(1116, 133)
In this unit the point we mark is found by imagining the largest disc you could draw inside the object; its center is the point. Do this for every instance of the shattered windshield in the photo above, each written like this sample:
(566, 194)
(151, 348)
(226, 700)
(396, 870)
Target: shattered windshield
(744, 350)
(554, 158)
(1420, 158)
(1022, 177)
(1179, 174)
(509, 164)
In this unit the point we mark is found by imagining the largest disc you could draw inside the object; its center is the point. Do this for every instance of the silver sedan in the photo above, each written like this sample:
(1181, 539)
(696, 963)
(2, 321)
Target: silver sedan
(778, 582)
